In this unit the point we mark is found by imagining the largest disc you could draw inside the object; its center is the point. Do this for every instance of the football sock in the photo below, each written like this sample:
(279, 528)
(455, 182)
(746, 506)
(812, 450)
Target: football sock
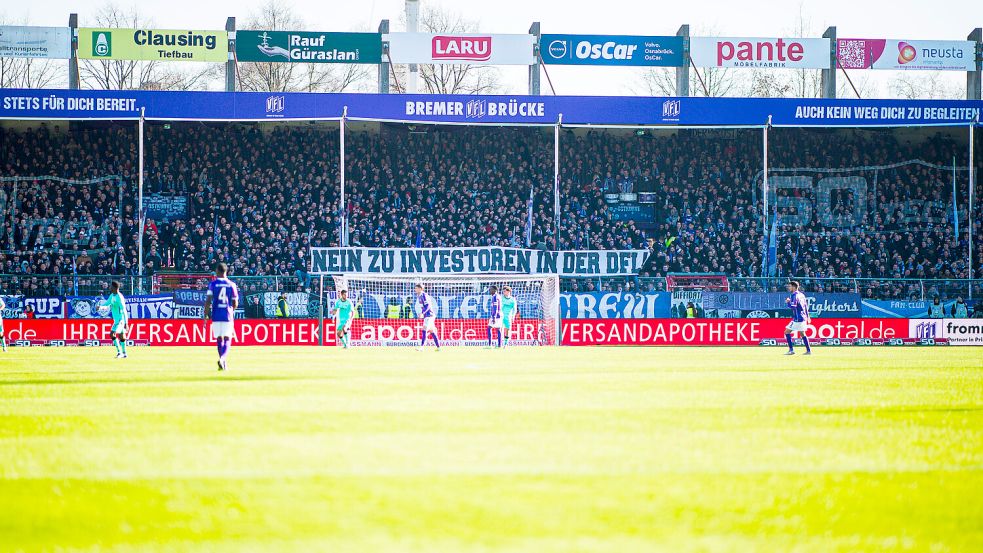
(489, 336)
(122, 344)
(436, 340)
(499, 330)
(805, 340)
(788, 338)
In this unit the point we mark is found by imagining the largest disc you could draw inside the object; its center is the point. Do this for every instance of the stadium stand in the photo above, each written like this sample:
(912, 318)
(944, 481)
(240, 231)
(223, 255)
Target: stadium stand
(259, 196)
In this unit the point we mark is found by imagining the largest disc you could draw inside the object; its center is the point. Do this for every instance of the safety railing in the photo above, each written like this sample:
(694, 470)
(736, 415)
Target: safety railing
(873, 288)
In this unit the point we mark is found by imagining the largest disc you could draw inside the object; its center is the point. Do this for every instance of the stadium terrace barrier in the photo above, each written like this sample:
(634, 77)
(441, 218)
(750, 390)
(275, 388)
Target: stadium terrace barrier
(721, 332)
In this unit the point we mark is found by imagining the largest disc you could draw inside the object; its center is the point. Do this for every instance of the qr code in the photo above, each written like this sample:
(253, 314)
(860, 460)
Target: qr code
(851, 54)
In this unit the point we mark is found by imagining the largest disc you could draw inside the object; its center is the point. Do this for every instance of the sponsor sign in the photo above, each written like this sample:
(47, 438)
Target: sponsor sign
(718, 332)
(836, 305)
(958, 332)
(499, 109)
(451, 261)
(153, 45)
(760, 53)
(167, 332)
(620, 50)
(159, 306)
(614, 305)
(35, 42)
(963, 332)
(879, 53)
(162, 207)
(308, 47)
(461, 49)
(452, 332)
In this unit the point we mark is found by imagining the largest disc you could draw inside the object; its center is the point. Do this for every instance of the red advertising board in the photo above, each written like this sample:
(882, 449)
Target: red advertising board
(452, 332)
(167, 332)
(718, 332)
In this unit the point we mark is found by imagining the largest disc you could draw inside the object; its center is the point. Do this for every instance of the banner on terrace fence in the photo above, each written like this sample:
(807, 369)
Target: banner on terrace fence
(620, 50)
(725, 305)
(48, 307)
(880, 53)
(164, 207)
(308, 47)
(719, 332)
(904, 309)
(463, 261)
(158, 306)
(301, 304)
(153, 45)
(189, 304)
(760, 53)
(461, 49)
(614, 305)
(35, 42)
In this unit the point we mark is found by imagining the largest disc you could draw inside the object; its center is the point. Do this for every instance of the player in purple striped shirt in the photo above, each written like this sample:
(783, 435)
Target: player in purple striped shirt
(427, 310)
(800, 317)
(495, 316)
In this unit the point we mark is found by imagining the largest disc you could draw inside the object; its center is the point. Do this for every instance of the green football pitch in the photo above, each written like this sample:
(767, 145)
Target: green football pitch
(551, 449)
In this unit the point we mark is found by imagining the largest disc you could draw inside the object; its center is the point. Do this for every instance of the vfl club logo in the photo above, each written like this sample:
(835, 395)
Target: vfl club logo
(925, 330)
(906, 53)
(476, 109)
(671, 108)
(274, 104)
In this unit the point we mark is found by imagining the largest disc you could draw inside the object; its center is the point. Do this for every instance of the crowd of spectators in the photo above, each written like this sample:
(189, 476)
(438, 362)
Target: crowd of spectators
(258, 196)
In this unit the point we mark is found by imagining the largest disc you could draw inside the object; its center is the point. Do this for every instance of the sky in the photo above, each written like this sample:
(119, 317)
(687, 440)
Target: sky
(901, 19)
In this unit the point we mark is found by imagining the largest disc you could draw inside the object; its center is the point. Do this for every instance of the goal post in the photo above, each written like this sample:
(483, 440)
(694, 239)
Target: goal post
(387, 313)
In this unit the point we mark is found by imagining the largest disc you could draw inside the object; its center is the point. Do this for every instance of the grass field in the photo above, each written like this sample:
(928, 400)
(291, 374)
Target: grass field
(567, 449)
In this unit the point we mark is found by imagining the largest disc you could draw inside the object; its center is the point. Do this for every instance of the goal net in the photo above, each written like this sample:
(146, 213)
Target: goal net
(388, 315)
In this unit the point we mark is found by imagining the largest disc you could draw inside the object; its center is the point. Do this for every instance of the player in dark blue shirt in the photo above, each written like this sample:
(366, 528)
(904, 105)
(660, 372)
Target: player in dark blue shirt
(221, 302)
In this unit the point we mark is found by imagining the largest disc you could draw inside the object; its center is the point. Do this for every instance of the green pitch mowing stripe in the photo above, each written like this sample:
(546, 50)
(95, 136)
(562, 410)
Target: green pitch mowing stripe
(559, 449)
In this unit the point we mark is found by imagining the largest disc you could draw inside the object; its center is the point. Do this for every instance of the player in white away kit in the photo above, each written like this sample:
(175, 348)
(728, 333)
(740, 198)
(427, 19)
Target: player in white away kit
(800, 317)
(427, 310)
(220, 306)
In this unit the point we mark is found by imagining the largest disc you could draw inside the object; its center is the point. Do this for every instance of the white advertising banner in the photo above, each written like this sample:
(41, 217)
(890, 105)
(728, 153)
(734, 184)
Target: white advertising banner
(760, 53)
(880, 53)
(35, 42)
(461, 49)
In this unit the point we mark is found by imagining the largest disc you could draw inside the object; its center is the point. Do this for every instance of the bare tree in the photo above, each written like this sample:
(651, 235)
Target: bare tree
(769, 84)
(137, 74)
(909, 86)
(294, 77)
(804, 83)
(457, 78)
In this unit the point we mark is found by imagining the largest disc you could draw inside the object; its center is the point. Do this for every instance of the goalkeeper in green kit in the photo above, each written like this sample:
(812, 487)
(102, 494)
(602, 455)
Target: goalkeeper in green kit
(509, 312)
